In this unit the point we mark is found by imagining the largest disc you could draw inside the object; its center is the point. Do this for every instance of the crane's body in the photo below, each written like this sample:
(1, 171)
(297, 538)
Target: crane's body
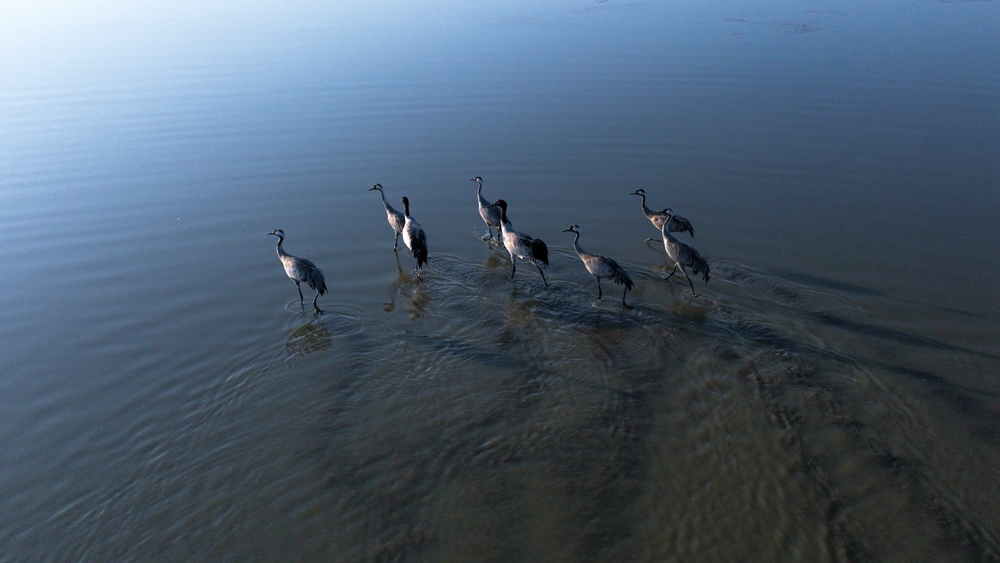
(300, 270)
(490, 212)
(413, 236)
(683, 255)
(601, 266)
(395, 218)
(520, 245)
(674, 223)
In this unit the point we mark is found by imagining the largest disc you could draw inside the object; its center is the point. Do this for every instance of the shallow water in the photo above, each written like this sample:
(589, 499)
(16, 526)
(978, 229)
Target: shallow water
(829, 395)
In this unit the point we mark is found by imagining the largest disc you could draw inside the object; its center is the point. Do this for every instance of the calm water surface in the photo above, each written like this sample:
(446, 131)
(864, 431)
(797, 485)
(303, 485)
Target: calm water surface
(830, 395)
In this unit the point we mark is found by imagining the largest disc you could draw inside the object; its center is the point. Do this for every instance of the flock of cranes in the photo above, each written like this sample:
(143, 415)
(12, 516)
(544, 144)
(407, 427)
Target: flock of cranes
(519, 245)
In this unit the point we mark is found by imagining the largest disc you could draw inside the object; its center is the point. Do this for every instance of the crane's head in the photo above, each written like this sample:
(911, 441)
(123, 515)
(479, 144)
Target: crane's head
(376, 187)
(278, 233)
(640, 191)
(477, 179)
(501, 204)
(572, 229)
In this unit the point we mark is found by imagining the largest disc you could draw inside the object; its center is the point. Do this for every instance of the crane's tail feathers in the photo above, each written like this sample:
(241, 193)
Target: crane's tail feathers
(421, 255)
(683, 225)
(539, 251)
(700, 265)
(621, 277)
(318, 283)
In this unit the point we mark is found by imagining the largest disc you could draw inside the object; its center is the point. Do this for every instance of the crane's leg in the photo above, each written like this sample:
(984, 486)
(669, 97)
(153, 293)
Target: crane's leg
(489, 228)
(542, 273)
(395, 244)
(672, 272)
(689, 281)
(599, 294)
(513, 266)
(318, 310)
(301, 298)
(623, 297)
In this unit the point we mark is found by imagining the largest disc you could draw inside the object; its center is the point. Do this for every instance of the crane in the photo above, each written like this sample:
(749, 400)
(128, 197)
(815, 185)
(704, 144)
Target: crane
(683, 254)
(488, 211)
(676, 223)
(396, 219)
(301, 270)
(601, 266)
(520, 245)
(413, 236)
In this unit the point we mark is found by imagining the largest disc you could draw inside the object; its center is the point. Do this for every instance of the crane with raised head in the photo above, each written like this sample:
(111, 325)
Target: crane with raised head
(413, 236)
(396, 219)
(300, 270)
(488, 211)
(601, 266)
(675, 224)
(520, 245)
(683, 255)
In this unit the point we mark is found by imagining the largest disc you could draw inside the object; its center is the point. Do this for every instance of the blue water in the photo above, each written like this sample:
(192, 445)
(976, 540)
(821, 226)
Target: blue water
(830, 394)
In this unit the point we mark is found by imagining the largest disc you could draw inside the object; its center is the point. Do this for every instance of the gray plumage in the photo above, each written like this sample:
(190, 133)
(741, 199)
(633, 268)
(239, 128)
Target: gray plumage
(488, 211)
(601, 266)
(396, 219)
(683, 255)
(300, 270)
(413, 236)
(520, 245)
(675, 224)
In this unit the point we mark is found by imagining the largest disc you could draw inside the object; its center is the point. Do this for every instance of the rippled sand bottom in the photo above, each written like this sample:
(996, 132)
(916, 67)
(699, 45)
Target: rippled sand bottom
(479, 419)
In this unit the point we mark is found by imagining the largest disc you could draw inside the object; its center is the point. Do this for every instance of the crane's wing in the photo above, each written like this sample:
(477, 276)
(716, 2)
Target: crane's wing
(689, 257)
(538, 250)
(618, 274)
(419, 241)
(679, 224)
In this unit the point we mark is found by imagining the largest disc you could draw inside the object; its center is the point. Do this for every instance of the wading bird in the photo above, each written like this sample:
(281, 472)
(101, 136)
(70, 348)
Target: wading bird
(520, 245)
(488, 211)
(396, 219)
(601, 266)
(413, 236)
(301, 270)
(683, 254)
(675, 224)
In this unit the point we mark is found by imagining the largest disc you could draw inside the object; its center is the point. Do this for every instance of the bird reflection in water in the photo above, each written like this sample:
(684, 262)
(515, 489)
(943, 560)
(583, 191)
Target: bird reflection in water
(308, 338)
(407, 286)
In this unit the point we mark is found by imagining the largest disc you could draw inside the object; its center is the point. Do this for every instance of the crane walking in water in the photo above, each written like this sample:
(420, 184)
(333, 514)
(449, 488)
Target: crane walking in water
(488, 211)
(520, 245)
(414, 237)
(396, 219)
(675, 223)
(683, 254)
(601, 266)
(301, 270)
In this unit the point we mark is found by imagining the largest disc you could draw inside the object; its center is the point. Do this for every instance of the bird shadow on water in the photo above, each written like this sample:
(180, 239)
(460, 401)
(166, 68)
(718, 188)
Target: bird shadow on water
(308, 338)
(411, 287)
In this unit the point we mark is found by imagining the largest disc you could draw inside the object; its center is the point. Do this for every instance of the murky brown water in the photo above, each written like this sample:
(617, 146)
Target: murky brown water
(830, 395)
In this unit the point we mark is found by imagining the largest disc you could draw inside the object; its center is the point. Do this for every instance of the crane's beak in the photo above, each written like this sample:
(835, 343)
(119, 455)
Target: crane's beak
(569, 230)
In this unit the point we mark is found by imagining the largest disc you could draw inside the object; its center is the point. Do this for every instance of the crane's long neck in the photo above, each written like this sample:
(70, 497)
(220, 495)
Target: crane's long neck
(645, 209)
(666, 232)
(406, 208)
(482, 200)
(281, 251)
(576, 244)
(504, 222)
(384, 202)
